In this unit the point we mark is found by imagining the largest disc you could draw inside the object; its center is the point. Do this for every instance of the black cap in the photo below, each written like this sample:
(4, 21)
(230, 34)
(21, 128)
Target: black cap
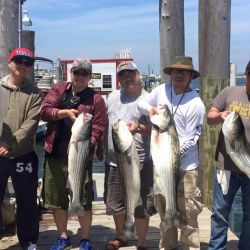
(248, 67)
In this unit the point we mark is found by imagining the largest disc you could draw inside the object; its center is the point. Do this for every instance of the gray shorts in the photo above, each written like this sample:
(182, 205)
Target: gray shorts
(113, 197)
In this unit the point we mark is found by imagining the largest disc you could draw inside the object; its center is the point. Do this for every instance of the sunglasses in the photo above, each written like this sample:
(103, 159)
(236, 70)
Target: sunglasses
(20, 61)
(126, 72)
(80, 72)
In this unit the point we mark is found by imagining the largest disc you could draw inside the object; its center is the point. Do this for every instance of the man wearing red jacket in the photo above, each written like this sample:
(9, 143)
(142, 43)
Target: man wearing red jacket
(60, 108)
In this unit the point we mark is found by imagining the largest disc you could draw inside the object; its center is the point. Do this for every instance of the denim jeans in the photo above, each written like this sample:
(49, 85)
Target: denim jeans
(222, 205)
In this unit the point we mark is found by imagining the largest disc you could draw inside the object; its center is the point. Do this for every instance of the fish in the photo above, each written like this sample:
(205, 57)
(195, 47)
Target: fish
(236, 143)
(78, 155)
(165, 152)
(2, 107)
(128, 164)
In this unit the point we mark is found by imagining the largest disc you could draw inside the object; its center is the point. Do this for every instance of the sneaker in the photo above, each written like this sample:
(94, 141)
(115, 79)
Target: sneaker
(32, 246)
(62, 244)
(85, 245)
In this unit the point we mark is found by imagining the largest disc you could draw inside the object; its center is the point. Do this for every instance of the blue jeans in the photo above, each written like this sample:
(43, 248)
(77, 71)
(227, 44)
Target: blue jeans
(222, 205)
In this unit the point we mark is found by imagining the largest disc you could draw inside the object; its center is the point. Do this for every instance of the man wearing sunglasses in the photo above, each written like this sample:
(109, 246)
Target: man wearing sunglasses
(17, 156)
(64, 102)
(233, 98)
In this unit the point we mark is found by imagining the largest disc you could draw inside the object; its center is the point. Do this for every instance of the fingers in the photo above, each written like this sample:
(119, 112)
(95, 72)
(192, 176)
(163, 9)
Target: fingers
(153, 111)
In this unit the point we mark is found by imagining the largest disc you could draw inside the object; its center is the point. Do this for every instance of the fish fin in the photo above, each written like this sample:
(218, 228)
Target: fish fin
(176, 220)
(129, 229)
(139, 201)
(68, 185)
(160, 204)
(76, 209)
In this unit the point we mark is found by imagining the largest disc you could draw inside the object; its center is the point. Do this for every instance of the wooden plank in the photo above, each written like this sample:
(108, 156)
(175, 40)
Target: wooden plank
(103, 230)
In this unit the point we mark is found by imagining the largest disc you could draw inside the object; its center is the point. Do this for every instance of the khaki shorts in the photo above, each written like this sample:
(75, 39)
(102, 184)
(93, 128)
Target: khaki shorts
(55, 194)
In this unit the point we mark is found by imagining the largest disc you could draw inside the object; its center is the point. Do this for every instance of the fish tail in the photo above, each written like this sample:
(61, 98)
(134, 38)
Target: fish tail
(129, 229)
(76, 209)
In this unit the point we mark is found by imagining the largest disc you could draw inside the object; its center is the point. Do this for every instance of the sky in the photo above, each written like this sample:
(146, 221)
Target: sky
(97, 29)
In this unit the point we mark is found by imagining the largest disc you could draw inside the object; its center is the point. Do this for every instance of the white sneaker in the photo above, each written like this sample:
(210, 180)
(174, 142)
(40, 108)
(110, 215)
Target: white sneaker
(32, 247)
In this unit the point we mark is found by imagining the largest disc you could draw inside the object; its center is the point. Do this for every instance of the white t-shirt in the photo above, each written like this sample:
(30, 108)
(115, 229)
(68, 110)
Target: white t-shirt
(188, 116)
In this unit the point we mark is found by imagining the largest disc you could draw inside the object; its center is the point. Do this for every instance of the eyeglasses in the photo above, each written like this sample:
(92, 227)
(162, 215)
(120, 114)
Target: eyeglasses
(180, 71)
(20, 61)
(126, 72)
(80, 72)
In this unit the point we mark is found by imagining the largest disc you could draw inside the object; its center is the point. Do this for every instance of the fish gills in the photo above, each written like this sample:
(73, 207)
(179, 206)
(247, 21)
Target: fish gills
(129, 168)
(78, 160)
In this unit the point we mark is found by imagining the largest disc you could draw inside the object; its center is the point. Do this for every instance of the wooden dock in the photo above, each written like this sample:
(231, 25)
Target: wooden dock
(103, 229)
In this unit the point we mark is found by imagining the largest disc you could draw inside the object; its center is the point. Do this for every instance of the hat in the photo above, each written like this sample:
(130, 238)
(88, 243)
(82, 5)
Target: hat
(248, 67)
(126, 66)
(81, 63)
(21, 52)
(182, 62)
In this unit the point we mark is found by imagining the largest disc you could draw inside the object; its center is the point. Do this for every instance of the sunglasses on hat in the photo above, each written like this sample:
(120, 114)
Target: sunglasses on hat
(21, 61)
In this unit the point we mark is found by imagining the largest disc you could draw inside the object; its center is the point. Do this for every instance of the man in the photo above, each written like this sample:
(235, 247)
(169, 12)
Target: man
(121, 104)
(188, 112)
(60, 108)
(230, 99)
(17, 156)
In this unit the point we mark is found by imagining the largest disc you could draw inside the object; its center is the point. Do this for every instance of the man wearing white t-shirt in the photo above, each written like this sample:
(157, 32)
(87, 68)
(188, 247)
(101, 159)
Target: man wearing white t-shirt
(188, 112)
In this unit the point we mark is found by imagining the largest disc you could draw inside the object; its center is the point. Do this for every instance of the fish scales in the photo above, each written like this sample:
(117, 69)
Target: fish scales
(165, 153)
(236, 143)
(129, 168)
(78, 160)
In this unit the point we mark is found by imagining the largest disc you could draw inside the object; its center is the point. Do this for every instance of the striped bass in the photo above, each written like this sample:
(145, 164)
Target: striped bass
(129, 168)
(166, 159)
(2, 107)
(236, 143)
(79, 146)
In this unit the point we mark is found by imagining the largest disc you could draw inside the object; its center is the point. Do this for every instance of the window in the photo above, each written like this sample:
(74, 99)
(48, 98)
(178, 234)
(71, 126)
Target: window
(107, 81)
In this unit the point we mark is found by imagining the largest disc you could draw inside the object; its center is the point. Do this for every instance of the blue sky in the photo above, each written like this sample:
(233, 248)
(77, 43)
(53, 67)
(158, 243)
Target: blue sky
(96, 29)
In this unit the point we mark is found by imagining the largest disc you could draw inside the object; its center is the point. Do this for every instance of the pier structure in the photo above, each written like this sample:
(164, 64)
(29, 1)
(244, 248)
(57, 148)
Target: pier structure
(103, 228)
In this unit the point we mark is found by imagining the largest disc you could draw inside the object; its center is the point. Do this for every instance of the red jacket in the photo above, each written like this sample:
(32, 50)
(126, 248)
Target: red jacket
(94, 105)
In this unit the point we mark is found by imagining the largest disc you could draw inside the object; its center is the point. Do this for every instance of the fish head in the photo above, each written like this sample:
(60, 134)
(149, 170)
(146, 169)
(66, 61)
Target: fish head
(232, 126)
(81, 127)
(121, 136)
(164, 120)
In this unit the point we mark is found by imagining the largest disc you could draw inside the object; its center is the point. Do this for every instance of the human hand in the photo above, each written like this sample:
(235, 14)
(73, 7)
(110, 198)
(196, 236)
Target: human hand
(153, 111)
(72, 114)
(224, 114)
(133, 127)
(4, 149)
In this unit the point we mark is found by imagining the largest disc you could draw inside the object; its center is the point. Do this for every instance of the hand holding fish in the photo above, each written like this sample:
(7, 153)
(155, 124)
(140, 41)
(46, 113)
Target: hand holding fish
(224, 114)
(153, 111)
(70, 113)
(133, 127)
